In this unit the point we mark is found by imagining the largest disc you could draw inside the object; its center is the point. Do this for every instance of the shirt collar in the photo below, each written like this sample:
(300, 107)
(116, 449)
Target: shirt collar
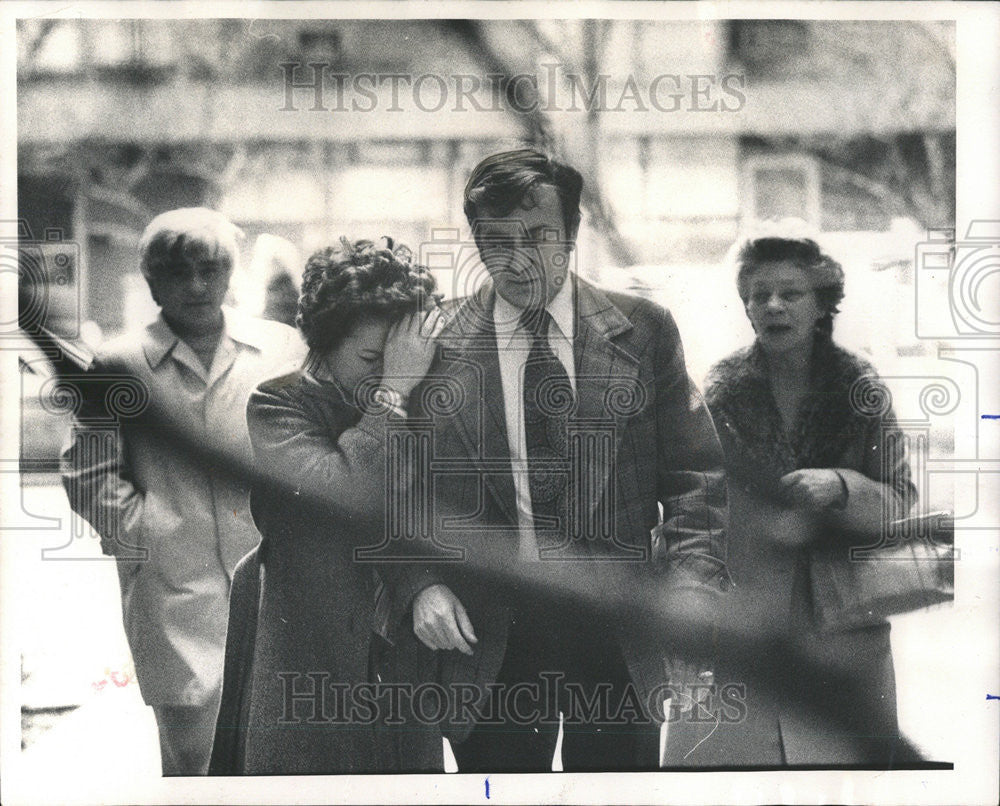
(506, 317)
(160, 340)
(245, 329)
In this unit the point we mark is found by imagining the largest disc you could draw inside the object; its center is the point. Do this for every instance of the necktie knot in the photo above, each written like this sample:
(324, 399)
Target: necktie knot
(536, 322)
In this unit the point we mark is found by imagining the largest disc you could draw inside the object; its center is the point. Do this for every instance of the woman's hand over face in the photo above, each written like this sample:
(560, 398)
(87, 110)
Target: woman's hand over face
(409, 349)
(812, 488)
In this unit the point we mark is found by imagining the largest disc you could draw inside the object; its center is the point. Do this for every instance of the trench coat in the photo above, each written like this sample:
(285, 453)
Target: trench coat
(313, 668)
(178, 524)
(846, 422)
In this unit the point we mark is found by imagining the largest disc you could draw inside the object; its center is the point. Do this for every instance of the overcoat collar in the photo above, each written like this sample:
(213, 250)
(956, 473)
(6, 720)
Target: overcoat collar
(159, 342)
(759, 450)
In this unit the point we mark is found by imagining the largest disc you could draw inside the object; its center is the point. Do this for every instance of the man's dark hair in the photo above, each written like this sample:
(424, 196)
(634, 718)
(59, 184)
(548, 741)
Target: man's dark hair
(499, 183)
(345, 282)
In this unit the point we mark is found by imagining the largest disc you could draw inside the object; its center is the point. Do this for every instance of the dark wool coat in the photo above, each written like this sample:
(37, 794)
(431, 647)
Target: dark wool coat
(316, 637)
(846, 422)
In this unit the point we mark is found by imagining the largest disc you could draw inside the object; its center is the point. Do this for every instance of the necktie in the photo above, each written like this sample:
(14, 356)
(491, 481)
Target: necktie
(548, 402)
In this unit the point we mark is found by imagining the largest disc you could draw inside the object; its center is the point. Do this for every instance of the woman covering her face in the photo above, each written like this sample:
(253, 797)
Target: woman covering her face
(310, 701)
(810, 465)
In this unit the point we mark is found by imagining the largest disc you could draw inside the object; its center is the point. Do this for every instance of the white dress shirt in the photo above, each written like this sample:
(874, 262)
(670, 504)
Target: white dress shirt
(513, 346)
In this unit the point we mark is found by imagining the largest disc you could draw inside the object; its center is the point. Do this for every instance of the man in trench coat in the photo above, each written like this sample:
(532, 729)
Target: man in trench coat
(179, 522)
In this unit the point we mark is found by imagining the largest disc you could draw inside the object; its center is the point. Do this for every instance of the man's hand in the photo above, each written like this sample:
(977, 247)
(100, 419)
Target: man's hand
(440, 620)
(691, 682)
(813, 488)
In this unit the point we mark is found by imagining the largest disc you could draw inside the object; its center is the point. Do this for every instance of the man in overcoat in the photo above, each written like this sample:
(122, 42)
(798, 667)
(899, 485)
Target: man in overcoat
(178, 520)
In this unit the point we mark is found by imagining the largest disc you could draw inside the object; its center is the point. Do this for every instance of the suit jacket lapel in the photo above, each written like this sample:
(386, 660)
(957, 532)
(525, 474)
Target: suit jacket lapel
(607, 382)
(608, 392)
(470, 352)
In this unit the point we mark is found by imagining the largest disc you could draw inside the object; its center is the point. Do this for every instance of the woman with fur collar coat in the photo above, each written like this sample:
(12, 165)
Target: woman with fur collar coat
(814, 458)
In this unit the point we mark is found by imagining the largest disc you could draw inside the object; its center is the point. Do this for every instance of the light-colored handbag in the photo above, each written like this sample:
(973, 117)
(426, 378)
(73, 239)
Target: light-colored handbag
(912, 567)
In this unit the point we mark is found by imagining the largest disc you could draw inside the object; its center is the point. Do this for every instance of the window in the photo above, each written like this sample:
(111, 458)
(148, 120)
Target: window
(143, 47)
(48, 46)
(320, 46)
(781, 186)
(765, 48)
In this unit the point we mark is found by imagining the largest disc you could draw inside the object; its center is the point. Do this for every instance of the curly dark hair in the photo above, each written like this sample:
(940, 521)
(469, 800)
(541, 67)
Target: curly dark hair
(826, 274)
(344, 282)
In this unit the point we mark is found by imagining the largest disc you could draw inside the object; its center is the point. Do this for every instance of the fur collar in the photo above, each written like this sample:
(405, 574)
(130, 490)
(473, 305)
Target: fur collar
(758, 451)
